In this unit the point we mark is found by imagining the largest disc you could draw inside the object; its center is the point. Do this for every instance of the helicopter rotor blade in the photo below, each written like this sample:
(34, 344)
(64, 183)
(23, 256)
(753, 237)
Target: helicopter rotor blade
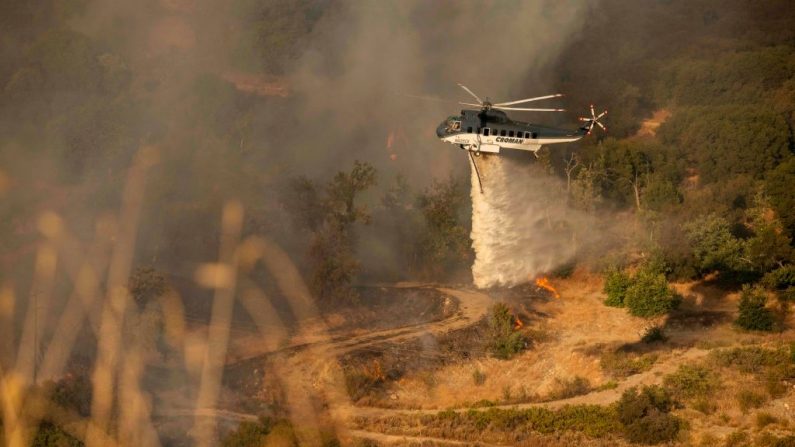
(529, 110)
(470, 104)
(538, 98)
(600, 125)
(480, 101)
(602, 114)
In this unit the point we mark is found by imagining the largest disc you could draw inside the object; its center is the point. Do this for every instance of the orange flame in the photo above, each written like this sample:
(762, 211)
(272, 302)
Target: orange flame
(544, 283)
(518, 323)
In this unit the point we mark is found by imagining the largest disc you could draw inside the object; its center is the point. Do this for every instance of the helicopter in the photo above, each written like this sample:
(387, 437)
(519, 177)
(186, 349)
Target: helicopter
(489, 129)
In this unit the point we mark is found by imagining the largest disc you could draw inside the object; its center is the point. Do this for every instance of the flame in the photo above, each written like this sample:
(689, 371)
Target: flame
(544, 283)
(517, 323)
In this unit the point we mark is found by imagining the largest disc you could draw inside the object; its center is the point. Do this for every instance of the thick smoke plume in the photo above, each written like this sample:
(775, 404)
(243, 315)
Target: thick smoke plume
(521, 225)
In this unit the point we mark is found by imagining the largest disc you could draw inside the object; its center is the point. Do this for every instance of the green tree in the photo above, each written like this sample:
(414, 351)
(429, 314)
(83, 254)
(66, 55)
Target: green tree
(753, 315)
(649, 295)
(330, 213)
(444, 245)
(504, 340)
(714, 246)
(616, 284)
(778, 186)
(646, 417)
(782, 281)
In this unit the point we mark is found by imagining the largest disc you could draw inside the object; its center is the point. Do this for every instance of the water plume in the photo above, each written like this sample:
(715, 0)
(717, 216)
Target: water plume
(521, 225)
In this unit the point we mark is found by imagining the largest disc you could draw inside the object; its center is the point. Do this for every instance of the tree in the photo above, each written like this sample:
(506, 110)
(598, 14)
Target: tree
(445, 244)
(778, 186)
(649, 295)
(753, 315)
(714, 247)
(769, 247)
(646, 417)
(329, 213)
(504, 340)
(616, 284)
(781, 281)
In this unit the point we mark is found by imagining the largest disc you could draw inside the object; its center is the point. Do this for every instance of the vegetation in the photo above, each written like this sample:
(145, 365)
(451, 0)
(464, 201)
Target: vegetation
(564, 389)
(616, 284)
(692, 382)
(329, 213)
(753, 315)
(645, 415)
(505, 340)
(621, 364)
(650, 296)
(591, 420)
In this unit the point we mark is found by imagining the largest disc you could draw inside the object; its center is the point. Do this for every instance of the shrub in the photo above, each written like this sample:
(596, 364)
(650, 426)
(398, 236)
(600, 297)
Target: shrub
(645, 415)
(753, 315)
(654, 334)
(782, 280)
(478, 377)
(764, 419)
(750, 359)
(505, 341)
(737, 439)
(563, 389)
(616, 284)
(622, 364)
(691, 381)
(749, 399)
(649, 295)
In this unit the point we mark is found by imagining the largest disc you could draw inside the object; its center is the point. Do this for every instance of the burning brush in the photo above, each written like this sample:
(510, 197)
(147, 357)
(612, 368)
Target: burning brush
(543, 282)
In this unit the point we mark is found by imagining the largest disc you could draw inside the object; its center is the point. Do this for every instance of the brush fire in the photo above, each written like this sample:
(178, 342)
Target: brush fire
(543, 282)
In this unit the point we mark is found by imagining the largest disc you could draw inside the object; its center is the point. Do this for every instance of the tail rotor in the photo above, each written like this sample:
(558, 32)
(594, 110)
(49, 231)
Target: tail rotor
(593, 120)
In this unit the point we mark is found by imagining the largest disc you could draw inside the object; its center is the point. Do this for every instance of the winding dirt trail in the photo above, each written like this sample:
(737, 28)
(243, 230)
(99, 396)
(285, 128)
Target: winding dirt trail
(309, 367)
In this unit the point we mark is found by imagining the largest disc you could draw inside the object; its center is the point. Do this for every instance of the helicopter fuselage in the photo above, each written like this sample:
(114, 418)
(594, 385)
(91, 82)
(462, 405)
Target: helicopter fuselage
(491, 130)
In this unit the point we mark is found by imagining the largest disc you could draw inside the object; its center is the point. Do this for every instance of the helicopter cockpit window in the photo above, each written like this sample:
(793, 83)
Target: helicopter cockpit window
(502, 133)
(533, 135)
(527, 134)
(510, 133)
(469, 129)
(453, 125)
(486, 131)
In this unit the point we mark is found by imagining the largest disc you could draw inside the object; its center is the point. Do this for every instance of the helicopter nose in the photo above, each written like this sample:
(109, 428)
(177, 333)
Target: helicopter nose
(440, 130)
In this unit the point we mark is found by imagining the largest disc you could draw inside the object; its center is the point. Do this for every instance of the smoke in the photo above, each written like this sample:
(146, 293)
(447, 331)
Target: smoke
(521, 225)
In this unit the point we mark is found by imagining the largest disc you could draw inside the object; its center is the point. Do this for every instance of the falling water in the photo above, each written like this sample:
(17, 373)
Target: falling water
(521, 226)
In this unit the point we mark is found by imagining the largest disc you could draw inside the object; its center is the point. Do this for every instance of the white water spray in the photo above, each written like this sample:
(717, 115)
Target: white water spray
(521, 225)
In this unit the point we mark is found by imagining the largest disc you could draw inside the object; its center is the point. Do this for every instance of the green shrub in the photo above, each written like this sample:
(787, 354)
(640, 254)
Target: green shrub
(592, 420)
(749, 399)
(622, 364)
(616, 284)
(752, 359)
(753, 315)
(649, 295)
(645, 415)
(691, 381)
(505, 341)
(49, 434)
(781, 280)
